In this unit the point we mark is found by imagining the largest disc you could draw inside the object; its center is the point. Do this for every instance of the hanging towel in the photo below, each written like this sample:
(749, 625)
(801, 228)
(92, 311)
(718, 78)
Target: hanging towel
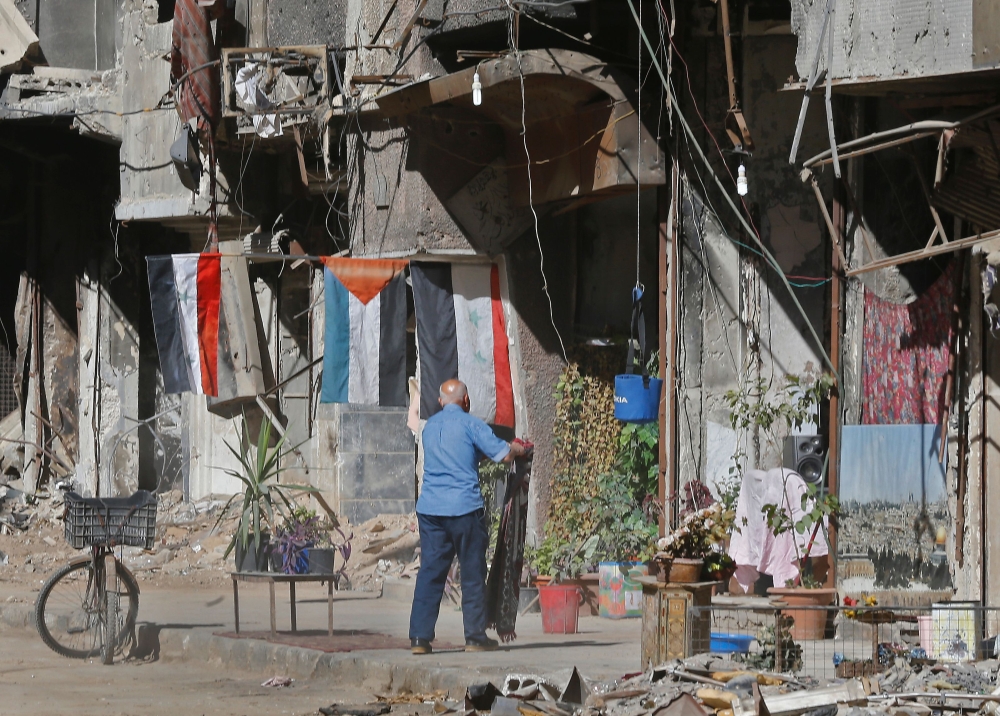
(462, 333)
(364, 356)
(184, 292)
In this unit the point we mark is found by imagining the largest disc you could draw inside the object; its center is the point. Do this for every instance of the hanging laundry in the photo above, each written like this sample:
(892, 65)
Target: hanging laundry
(461, 333)
(364, 358)
(184, 291)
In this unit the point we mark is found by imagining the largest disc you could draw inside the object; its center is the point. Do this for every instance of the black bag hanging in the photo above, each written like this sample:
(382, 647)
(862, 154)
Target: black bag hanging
(637, 397)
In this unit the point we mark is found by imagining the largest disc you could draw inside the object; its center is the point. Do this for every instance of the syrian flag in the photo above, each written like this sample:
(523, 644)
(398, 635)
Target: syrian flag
(184, 291)
(364, 357)
(461, 333)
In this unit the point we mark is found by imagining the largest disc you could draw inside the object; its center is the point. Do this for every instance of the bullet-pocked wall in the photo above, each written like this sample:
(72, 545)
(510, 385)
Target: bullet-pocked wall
(737, 323)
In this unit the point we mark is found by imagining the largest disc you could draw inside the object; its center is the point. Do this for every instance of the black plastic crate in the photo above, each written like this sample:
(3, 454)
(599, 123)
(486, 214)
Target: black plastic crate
(129, 521)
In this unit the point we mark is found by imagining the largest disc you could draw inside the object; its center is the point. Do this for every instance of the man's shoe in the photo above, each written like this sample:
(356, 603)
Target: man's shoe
(483, 644)
(420, 646)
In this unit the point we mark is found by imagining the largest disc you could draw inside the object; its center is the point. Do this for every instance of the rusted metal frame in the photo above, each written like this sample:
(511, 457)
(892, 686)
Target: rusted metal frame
(300, 153)
(857, 215)
(665, 211)
(379, 79)
(385, 21)
(232, 56)
(939, 166)
(927, 195)
(828, 101)
(404, 35)
(952, 362)
(833, 438)
(926, 253)
(813, 75)
(963, 432)
(671, 481)
(834, 233)
(728, 44)
(907, 132)
(869, 150)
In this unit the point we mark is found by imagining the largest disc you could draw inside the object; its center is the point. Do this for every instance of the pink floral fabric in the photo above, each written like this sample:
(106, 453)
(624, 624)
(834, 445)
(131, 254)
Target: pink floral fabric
(906, 353)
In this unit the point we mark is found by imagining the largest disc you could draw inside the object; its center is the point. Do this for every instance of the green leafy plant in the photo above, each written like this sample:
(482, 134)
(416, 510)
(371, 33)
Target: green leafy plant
(817, 508)
(638, 457)
(262, 497)
(794, 404)
(571, 559)
(625, 531)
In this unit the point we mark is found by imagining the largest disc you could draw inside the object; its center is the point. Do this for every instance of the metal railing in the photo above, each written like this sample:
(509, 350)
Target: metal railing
(842, 642)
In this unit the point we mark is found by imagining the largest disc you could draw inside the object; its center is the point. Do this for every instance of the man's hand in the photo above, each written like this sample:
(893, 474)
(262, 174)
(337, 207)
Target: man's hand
(516, 450)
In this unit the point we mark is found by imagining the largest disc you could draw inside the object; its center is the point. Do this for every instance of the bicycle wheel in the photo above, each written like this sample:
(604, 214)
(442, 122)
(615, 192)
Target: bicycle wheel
(69, 617)
(111, 635)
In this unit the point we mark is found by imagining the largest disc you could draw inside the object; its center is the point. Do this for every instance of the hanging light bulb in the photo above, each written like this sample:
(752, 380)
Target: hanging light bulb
(741, 180)
(477, 90)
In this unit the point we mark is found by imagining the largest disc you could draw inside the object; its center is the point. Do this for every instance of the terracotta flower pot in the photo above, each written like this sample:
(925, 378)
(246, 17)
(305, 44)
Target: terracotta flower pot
(809, 623)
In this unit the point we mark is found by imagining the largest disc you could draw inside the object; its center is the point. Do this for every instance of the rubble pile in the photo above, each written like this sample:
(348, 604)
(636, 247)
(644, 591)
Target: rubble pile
(708, 685)
(190, 541)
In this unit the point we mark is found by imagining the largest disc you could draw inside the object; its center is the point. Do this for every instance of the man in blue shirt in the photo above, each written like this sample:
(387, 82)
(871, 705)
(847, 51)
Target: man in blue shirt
(452, 517)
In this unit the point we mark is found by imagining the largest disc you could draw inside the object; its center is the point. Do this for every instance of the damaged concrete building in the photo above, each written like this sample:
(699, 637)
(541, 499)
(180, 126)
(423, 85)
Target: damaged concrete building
(564, 143)
(343, 128)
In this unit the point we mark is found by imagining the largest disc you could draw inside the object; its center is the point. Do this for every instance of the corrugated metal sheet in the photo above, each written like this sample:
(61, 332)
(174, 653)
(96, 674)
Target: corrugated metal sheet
(971, 189)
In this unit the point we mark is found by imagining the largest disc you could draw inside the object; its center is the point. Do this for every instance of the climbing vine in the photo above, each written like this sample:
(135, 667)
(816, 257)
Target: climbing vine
(586, 438)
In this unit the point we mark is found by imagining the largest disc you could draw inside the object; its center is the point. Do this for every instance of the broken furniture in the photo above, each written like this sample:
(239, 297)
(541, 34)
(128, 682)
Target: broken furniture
(675, 619)
(291, 579)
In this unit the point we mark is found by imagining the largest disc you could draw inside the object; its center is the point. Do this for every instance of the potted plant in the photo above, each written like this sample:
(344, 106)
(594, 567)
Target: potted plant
(625, 532)
(805, 590)
(681, 554)
(795, 403)
(297, 540)
(560, 598)
(262, 497)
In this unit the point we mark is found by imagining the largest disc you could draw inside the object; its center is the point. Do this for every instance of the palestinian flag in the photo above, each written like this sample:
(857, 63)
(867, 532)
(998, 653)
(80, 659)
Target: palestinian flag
(184, 291)
(364, 356)
(461, 333)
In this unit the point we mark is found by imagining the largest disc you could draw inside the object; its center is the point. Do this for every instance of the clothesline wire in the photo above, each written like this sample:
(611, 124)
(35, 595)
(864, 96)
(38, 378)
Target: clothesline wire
(769, 258)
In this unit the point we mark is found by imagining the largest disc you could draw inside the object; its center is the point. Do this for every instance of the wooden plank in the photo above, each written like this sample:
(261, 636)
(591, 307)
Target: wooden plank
(853, 692)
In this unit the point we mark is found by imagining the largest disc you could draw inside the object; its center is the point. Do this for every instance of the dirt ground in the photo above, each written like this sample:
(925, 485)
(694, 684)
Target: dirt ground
(37, 682)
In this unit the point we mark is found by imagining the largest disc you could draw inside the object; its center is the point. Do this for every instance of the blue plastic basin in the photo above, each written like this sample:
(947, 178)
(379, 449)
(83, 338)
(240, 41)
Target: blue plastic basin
(730, 643)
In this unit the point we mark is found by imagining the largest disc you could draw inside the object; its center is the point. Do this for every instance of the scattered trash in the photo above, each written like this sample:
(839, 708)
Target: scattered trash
(278, 682)
(364, 710)
(408, 697)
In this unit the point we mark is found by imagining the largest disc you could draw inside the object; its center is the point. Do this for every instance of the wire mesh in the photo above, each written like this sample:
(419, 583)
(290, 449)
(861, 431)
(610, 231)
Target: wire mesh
(842, 642)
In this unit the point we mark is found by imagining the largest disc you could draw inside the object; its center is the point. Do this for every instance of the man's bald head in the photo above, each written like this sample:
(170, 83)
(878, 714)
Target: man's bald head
(453, 391)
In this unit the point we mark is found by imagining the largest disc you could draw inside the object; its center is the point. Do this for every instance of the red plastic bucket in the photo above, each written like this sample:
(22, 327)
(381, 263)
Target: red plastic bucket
(560, 608)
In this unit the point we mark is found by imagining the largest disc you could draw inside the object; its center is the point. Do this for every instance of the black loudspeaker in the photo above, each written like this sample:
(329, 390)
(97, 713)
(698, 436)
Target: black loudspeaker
(806, 454)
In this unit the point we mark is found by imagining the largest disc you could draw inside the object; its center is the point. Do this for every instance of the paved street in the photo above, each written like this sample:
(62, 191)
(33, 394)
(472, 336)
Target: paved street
(38, 679)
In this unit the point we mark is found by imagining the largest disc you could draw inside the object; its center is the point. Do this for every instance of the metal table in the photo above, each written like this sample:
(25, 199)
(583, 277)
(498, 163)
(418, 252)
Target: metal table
(292, 579)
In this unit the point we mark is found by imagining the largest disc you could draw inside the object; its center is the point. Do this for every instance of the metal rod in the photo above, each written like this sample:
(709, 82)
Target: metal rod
(926, 253)
(810, 84)
(829, 98)
(875, 148)
(834, 234)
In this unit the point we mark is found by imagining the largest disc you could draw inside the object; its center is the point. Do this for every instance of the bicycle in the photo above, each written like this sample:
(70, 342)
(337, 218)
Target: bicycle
(79, 612)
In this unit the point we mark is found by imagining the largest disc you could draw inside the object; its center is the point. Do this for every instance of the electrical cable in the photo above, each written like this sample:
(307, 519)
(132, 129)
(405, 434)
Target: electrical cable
(638, 161)
(767, 254)
(531, 197)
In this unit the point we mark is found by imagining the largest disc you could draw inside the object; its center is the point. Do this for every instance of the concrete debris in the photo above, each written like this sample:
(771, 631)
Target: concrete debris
(345, 710)
(278, 682)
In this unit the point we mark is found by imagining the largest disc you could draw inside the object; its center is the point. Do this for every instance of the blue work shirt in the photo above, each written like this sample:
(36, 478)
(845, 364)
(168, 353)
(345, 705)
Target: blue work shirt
(454, 442)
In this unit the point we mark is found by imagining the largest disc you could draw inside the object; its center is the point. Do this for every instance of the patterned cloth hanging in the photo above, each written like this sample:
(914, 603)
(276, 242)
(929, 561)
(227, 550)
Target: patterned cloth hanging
(907, 348)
